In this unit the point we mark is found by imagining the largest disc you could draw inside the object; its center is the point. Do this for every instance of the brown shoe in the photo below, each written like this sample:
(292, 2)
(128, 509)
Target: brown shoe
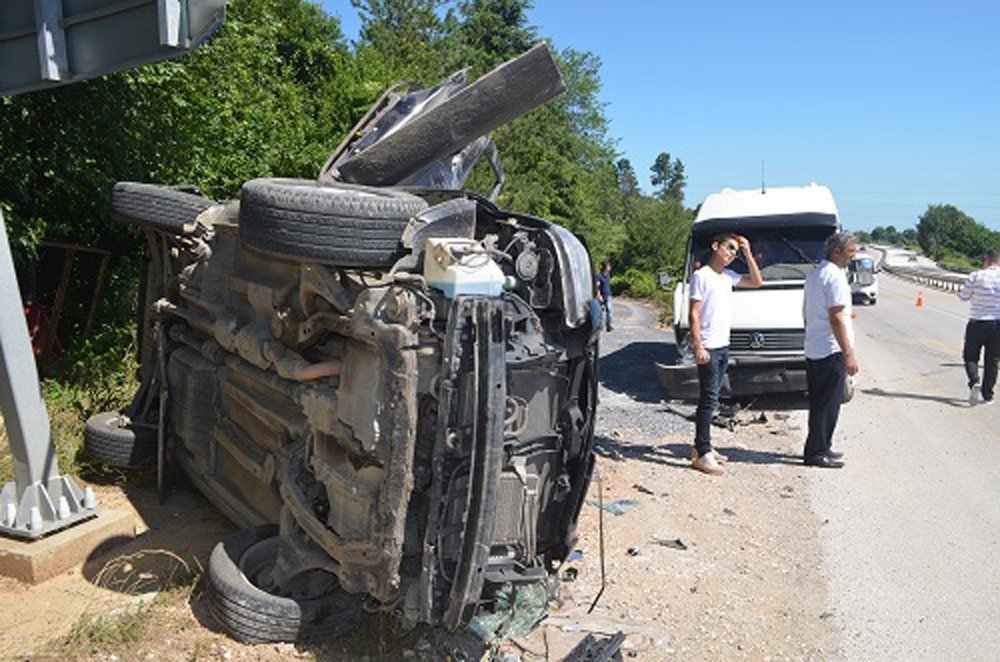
(707, 464)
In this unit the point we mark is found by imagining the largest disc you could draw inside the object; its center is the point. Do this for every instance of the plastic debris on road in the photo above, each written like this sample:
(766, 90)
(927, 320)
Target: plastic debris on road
(516, 612)
(673, 543)
(618, 507)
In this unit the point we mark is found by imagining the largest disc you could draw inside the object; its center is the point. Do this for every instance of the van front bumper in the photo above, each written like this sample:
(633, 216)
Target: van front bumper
(744, 377)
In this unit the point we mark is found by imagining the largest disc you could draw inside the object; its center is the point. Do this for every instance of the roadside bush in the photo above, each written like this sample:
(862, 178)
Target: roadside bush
(636, 283)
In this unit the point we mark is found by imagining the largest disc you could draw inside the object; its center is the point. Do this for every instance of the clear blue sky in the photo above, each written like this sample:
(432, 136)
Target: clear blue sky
(893, 105)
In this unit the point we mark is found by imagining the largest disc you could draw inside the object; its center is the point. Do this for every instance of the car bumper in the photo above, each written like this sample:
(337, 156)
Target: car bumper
(743, 377)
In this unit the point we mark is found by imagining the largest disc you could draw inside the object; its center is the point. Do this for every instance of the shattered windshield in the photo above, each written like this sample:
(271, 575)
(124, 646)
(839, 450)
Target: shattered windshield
(786, 253)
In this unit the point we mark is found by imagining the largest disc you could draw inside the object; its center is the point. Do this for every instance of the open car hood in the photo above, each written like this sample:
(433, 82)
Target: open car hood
(431, 138)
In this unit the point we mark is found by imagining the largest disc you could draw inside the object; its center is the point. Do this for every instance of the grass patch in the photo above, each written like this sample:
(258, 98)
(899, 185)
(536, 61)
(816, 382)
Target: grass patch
(94, 634)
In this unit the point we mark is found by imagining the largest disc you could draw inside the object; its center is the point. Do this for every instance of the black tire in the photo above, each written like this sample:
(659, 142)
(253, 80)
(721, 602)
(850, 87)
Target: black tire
(252, 615)
(160, 206)
(339, 224)
(108, 439)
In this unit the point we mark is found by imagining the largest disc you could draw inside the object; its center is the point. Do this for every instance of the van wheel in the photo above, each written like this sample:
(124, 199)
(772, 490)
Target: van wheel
(109, 439)
(240, 598)
(343, 225)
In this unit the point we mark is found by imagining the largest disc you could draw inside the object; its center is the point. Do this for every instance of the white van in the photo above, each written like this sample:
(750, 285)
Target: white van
(787, 229)
(862, 275)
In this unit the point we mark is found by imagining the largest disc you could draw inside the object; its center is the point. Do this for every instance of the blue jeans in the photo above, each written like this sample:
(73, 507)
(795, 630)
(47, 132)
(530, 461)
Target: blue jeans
(607, 313)
(710, 378)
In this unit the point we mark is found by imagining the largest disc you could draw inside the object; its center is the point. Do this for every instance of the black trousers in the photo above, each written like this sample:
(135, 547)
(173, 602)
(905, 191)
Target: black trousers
(980, 335)
(825, 378)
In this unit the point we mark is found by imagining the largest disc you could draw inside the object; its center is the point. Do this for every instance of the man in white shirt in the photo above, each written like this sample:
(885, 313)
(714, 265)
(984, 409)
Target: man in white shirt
(711, 316)
(829, 347)
(982, 291)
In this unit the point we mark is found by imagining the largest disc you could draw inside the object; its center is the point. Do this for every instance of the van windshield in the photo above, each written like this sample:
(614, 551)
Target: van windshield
(786, 253)
(861, 264)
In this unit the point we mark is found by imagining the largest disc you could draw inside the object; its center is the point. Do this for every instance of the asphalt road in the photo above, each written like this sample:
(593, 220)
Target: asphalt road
(912, 524)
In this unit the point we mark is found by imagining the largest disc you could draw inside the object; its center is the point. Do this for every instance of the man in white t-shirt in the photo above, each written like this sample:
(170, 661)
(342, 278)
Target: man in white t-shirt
(982, 332)
(829, 347)
(711, 316)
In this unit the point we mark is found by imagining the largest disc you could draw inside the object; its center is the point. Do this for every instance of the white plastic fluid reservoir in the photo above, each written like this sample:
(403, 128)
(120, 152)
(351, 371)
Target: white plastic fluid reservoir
(461, 266)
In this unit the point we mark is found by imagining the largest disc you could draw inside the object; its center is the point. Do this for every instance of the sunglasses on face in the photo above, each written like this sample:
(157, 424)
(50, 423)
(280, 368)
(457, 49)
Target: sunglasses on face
(731, 247)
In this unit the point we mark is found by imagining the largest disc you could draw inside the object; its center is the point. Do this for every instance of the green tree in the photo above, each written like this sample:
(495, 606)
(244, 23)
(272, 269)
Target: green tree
(490, 32)
(406, 38)
(944, 231)
(657, 236)
(668, 177)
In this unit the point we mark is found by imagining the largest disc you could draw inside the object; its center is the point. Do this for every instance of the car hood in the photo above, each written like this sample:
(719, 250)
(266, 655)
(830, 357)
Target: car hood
(432, 137)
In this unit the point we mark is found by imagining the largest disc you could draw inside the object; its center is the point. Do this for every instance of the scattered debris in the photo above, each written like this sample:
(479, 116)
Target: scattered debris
(592, 649)
(577, 555)
(570, 574)
(642, 489)
(826, 614)
(673, 543)
(729, 511)
(633, 551)
(786, 492)
(518, 609)
(619, 507)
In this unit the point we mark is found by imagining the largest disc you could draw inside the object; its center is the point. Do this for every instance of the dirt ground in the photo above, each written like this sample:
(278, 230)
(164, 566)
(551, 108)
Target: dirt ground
(709, 568)
(698, 567)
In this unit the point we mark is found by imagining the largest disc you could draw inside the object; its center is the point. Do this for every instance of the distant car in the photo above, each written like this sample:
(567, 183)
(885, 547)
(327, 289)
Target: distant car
(864, 282)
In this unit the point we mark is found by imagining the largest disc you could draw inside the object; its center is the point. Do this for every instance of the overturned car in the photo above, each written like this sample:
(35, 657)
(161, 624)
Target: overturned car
(389, 382)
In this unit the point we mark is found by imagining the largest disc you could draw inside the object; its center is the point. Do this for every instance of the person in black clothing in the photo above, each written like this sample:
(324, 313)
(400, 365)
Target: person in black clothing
(604, 292)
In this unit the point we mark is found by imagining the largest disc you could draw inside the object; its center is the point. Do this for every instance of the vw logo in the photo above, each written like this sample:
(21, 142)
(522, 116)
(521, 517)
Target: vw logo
(756, 340)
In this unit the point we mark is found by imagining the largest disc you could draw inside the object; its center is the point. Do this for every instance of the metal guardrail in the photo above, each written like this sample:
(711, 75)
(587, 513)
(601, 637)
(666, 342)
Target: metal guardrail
(930, 276)
(936, 278)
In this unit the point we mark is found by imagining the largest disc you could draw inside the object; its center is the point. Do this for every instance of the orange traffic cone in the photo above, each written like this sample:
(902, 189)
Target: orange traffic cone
(920, 299)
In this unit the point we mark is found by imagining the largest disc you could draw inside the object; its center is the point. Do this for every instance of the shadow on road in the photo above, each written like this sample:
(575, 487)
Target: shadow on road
(679, 455)
(962, 403)
(631, 369)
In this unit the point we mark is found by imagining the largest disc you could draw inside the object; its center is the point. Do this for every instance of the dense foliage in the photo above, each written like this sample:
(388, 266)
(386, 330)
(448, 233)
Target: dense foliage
(949, 235)
(944, 233)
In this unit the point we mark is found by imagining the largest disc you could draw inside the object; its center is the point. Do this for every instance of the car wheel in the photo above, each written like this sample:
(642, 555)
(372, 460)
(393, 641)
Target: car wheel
(172, 209)
(108, 439)
(339, 224)
(242, 603)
